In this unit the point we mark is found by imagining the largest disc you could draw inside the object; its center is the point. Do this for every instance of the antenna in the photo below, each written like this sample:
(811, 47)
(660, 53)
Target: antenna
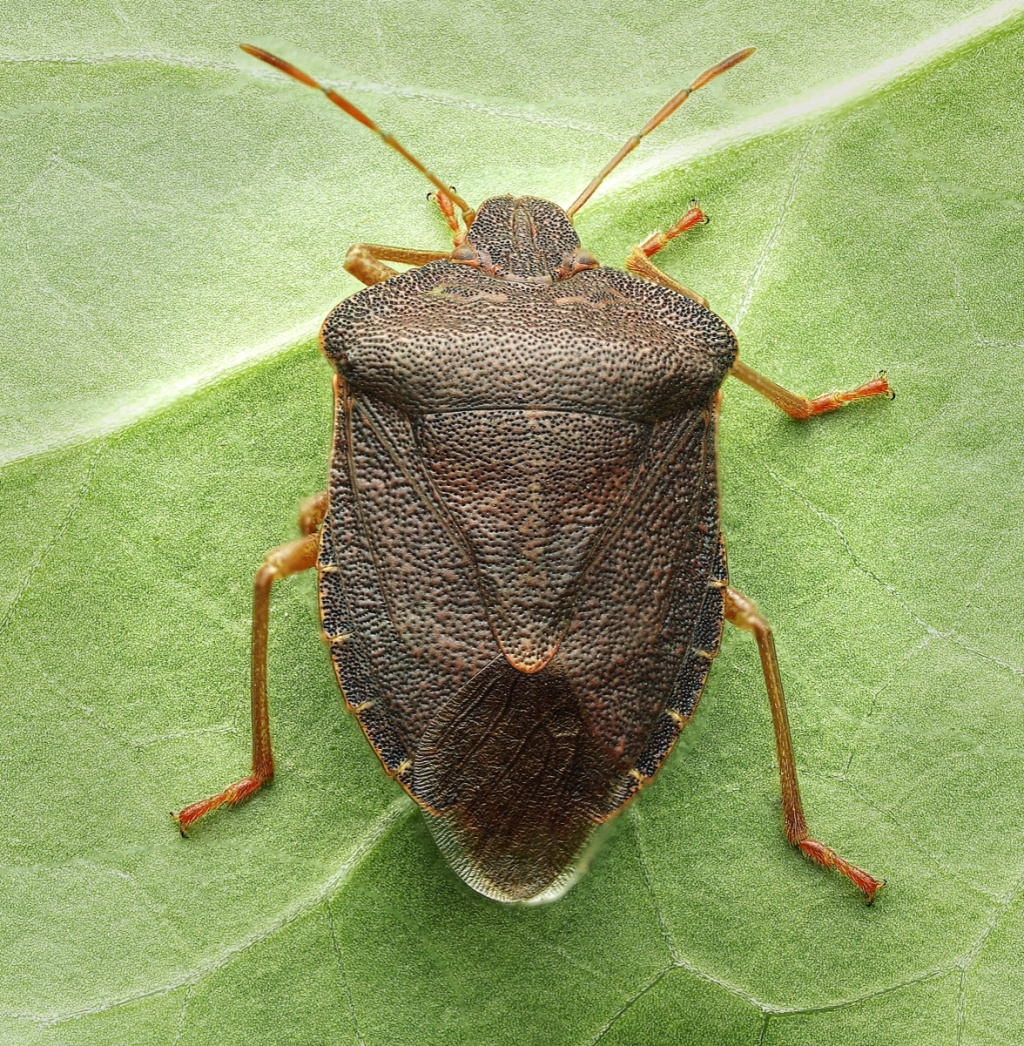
(659, 117)
(468, 214)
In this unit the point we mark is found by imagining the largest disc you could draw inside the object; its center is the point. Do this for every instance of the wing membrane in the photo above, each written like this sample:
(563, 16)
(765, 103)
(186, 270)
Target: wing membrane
(516, 776)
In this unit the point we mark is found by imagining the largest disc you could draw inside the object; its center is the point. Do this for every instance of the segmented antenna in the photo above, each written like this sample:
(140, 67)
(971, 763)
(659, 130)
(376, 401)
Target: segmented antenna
(468, 214)
(659, 117)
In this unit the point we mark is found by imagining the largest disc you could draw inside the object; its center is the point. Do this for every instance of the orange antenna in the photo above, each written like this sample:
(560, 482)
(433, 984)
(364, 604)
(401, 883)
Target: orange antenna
(468, 214)
(659, 117)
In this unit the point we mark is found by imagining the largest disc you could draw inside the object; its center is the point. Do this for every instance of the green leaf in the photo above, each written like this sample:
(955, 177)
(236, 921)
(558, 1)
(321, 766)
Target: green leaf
(175, 223)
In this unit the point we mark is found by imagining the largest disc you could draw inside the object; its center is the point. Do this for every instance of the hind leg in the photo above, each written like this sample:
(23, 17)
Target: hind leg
(741, 612)
(279, 563)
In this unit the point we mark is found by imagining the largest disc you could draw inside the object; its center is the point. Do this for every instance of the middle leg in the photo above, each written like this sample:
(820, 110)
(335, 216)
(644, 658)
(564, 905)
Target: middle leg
(798, 407)
(801, 408)
(312, 511)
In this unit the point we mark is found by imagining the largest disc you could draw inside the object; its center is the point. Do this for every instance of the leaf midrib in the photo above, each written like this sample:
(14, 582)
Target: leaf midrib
(783, 119)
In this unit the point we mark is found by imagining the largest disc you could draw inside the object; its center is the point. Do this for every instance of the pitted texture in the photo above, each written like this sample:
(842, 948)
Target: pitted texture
(524, 520)
(523, 236)
(531, 492)
(445, 337)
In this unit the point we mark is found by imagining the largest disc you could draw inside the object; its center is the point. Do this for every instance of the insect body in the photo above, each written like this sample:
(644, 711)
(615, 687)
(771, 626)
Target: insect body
(521, 573)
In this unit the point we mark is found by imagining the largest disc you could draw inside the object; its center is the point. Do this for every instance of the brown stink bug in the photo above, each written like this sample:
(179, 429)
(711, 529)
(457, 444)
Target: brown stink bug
(521, 571)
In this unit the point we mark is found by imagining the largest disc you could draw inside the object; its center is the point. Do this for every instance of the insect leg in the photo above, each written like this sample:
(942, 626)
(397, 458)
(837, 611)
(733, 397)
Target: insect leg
(640, 263)
(741, 612)
(444, 202)
(279, 563)
(798, 406)
(311, 512)
(657, 240)
(365, 261)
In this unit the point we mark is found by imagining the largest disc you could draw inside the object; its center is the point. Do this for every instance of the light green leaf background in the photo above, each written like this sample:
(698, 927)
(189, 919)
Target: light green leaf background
(174, 222)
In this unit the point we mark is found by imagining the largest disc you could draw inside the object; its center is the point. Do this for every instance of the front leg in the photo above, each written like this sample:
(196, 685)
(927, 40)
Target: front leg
(639, 260)
(798, 407)
(365, 261)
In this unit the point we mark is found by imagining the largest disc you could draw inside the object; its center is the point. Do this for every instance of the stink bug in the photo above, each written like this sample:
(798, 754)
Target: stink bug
(522, 576)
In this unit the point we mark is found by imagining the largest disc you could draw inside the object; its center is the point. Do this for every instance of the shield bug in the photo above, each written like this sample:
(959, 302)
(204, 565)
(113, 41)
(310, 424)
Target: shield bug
(522, 577)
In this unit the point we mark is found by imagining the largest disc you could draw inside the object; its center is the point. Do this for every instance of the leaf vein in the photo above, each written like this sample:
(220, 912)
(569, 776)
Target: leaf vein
(805, 110)
(377, 831)
(73, 508)
(814, 105)
(949, 636)
(773, 237)
(635, 819)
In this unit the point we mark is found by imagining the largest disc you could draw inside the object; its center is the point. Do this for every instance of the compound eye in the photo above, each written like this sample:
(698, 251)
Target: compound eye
(584, 260)
(465, 255)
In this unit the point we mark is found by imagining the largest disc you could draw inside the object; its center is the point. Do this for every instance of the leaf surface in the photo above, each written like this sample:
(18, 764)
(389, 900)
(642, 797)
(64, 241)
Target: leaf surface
(175, 223)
